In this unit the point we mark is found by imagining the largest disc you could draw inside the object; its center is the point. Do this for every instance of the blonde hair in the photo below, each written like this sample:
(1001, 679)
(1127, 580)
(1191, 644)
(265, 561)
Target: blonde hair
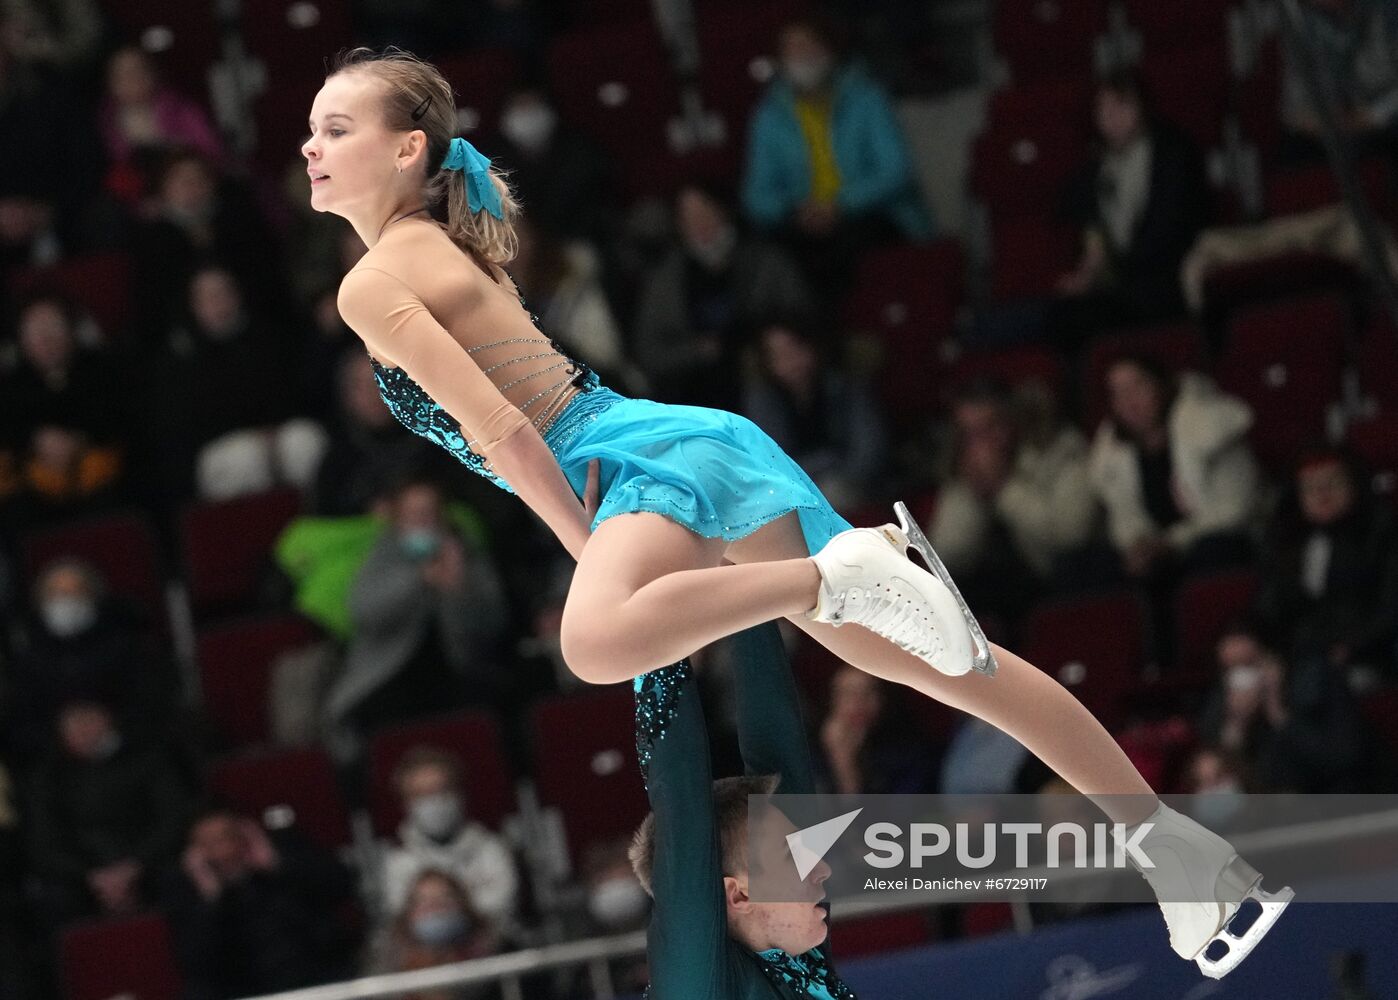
(413, 86)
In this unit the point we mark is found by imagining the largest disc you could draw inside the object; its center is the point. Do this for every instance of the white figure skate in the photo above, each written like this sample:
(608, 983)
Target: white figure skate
(867, 578)
(1201, 883)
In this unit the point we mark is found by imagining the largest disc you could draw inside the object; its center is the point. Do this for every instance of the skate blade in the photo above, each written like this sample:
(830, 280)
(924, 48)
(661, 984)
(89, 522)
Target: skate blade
(1241, 945)
(983, 661)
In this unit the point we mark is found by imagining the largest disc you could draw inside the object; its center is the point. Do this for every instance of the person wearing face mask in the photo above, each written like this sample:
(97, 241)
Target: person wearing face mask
(104, 817)
(1291, 729)
(437, 834)
(81, 643)
(827, 161)
(713, 283)
(437, 924)
(427, 612)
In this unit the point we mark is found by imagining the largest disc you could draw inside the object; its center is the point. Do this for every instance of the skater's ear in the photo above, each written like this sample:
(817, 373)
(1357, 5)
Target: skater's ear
(735, 894)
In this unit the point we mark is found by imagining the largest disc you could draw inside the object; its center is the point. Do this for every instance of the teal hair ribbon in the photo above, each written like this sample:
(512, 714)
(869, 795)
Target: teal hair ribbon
(481, 192)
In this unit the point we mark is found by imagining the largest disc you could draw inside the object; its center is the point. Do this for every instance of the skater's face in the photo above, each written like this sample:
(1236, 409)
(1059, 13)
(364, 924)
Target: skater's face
(795, 926)
(350, 155)
(1135, 398)
(1326, 492)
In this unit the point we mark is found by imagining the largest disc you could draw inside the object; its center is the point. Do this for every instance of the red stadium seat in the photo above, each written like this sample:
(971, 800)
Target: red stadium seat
(585, 764)
(132, 956)
(908, 296)
(1093, 645)
(182, 37)
(101, 284)
(615, 83)
(1204, 607)
(287, 787)
(228, 545)
(1048, 38)
(482, 79)
(1190, 88)
(1377, 363)
(1029, 254)
(122, 547)
(1033, 141)
(1308, 188)
(879, 933)
(1381, 709)
(737, 56)
(1182, 24)
(473, 736)
(1177, 347)
(235, 665)
(1283, 359)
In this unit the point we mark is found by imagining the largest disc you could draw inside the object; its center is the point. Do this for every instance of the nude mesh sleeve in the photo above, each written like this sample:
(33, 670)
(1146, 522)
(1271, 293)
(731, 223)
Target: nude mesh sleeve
(397, 327)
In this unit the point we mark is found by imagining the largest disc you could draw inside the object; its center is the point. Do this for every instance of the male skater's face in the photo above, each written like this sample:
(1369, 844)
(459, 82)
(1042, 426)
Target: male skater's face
(796, 926)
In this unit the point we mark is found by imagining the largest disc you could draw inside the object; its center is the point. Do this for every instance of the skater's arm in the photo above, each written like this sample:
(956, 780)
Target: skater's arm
(771, 735)
(398, 328)
(688, 940)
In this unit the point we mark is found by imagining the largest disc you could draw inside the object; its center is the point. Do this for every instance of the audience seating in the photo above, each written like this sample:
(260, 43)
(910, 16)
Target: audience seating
(121, 546)
(1283, 359)
(235, 666)
(1205, 605)
(1093, 645)
(183, 37)
(227, 547)
(295, 787)
(1176, 347)
(585, 756)
(474, 737)
(882, 932)
(1043, 38)
(100, 959)
(99, 283)
(483, 79)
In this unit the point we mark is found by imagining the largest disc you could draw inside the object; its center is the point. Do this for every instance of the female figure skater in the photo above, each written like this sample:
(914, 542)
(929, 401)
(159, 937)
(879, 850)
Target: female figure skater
(694, 523)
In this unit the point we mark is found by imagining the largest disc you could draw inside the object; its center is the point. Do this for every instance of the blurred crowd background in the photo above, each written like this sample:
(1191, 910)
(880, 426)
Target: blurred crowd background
(281, 696)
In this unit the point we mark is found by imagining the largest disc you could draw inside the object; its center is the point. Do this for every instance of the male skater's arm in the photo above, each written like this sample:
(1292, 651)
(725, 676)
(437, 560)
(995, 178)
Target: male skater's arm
(771, 736)
(688, 940)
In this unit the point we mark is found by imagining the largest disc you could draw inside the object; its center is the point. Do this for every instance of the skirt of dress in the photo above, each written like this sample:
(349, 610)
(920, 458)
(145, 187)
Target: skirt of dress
(716, 473)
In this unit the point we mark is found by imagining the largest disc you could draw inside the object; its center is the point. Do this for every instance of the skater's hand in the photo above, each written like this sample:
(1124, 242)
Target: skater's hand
(591, 499)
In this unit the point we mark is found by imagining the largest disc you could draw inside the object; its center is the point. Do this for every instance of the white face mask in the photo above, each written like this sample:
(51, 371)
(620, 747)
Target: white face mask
(441, 928)
(529, 127)
(66, 616)
(807, 74)
(439, 816)
(617, 902)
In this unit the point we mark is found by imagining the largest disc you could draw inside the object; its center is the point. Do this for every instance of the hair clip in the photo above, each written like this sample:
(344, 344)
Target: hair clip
(422, 107)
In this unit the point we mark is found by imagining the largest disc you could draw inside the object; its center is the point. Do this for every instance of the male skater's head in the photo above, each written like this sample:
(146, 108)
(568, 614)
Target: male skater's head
(794, 927)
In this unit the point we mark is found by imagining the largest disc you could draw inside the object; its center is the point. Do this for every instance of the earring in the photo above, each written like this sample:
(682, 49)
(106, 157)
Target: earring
(400, 170)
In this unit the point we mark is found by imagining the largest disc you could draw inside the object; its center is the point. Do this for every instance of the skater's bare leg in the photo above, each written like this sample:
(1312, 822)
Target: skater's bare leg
(648, 592)
(1021, 700)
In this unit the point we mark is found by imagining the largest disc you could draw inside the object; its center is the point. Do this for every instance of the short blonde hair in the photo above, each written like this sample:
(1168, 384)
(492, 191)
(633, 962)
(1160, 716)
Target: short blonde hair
(414, 86)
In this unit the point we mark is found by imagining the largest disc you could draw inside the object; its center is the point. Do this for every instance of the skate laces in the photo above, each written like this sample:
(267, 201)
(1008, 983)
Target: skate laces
(897, 616)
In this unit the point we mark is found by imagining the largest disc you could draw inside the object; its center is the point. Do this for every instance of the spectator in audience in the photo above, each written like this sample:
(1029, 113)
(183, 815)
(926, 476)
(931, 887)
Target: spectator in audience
(1291, 729)
(866, 747)
(1019, 504)
(1140, 202)
(706, 291)
(226, 403)
(427, 613)
(105, 815)
(565, 179)
(827, 163)
(63, 413)
(142, 119)
(1173, 468)
(436, 925)
(824, 419)
(368, 450)
(254, 911)
(1214, 778)
(1329, 591)
(61, 38)
(198, 216)
(1353, 43)
(82, 643)
(560, 282)
(439, 835)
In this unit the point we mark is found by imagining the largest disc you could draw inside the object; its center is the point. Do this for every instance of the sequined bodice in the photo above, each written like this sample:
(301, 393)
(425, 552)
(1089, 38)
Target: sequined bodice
(421, 414)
